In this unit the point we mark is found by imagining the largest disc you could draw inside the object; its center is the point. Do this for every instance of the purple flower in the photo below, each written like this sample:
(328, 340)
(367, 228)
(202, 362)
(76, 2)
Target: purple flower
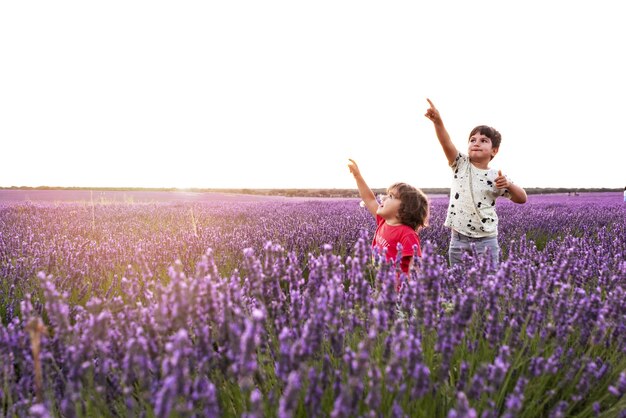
(619, 388)
(282, 303)
(515, 400)
(291, 394)
(39, 411)
(560, 410)
(463, 408)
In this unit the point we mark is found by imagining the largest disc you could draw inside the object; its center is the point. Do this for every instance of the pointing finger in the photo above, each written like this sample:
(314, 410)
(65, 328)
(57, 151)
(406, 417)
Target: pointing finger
(500, 173)
(430, 103)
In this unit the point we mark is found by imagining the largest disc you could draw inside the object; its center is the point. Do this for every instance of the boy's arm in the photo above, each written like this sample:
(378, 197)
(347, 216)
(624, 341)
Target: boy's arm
(365, 192)
(442, 134)
(518, 194)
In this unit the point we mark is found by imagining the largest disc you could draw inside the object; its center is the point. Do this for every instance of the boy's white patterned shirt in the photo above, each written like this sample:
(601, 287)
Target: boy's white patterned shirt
(477, 218)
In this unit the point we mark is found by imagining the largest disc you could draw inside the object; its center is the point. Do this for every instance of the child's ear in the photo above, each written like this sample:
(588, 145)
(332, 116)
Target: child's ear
(494, 151)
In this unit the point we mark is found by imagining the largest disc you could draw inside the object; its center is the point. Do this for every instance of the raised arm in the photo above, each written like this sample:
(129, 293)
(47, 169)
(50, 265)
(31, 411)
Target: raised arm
(365, 192)
(442, 134)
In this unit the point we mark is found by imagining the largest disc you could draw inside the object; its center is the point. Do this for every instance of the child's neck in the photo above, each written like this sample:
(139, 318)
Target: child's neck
(393, 221)
(483, 165)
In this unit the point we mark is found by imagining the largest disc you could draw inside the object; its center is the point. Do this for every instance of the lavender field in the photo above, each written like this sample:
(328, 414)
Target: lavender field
(277, 307)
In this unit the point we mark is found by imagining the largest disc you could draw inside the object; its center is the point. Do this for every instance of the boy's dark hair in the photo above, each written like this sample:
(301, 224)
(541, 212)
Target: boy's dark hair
(414, 205)
(489, 132)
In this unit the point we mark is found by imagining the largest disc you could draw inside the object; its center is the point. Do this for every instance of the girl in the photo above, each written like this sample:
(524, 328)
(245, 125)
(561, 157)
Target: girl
(400, 214)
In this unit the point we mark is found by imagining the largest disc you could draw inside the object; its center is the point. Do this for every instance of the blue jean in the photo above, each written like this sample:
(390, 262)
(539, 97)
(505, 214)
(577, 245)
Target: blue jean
(460, 244)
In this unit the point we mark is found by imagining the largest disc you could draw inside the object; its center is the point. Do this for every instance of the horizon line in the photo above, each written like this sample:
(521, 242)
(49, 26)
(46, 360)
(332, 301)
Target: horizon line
(139, 188)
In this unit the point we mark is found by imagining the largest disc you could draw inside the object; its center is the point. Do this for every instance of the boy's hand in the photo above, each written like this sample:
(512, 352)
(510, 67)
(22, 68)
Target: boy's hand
(442, 134)
(354, 169)
(432, 113)
(501, 181)
(518, 194)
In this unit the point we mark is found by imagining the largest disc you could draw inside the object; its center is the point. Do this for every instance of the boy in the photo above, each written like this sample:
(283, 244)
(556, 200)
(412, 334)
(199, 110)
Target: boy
(472, 209)
(400, 214)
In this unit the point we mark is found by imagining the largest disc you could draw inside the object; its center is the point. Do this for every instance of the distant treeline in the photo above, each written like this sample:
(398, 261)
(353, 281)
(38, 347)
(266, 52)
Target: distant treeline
(305, 192)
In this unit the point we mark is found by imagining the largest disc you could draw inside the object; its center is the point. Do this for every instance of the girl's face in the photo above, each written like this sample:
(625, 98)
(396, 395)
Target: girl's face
(479, 148)
(389, 206)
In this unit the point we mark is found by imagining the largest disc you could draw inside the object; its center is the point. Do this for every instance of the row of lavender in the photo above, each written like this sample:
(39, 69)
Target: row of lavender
(302, 328)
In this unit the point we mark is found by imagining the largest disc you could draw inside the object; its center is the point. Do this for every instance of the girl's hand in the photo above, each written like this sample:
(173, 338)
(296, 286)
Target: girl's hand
(432, 113)
(354, 169)
(502, 182)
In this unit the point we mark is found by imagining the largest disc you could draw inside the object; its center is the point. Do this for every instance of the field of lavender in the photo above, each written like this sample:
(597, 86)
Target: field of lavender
(279, 308)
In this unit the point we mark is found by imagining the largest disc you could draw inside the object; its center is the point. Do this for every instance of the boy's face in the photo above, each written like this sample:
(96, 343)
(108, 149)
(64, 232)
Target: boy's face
(479, 148)
(389, 206)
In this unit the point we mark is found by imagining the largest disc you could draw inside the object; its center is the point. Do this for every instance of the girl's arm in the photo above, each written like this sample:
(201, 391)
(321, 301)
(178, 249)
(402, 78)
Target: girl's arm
(442, 134)
(365, 192)
(407, 263)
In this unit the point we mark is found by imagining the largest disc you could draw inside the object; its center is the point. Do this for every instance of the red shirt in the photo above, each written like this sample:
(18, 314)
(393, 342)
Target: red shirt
(388, 236)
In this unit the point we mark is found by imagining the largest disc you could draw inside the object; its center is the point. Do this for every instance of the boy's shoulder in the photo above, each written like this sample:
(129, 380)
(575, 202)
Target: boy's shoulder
(459, 160)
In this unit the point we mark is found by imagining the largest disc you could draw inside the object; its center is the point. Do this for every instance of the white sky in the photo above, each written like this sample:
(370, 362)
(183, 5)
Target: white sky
(265, 94)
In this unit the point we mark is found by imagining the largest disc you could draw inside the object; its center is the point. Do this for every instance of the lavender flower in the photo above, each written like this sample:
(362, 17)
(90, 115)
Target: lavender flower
(284, 306)
(291, 395)
(463, 408)
(619, 389)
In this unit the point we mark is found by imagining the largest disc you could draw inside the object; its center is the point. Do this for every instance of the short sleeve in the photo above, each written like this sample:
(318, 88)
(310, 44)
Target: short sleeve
(459, 161)
(408, 241)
